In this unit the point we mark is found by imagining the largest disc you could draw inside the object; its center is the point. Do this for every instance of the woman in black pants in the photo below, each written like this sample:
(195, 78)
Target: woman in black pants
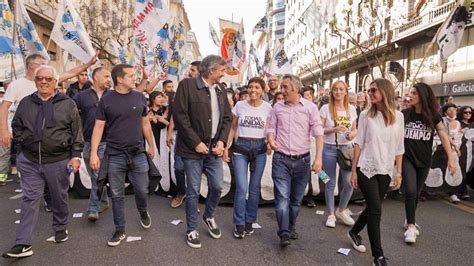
(421, 121)
(379, 143)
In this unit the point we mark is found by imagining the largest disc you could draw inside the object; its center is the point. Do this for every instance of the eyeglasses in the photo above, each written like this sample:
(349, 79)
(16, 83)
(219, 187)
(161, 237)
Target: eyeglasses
(467, 112)
(372, 90)
(40, 78)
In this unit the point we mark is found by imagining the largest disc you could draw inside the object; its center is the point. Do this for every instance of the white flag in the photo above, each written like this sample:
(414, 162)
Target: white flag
(452, 30)
(262, 25)
(28, 39)
(70, 34)
(150, 17)
(280, 63)
(213, 35)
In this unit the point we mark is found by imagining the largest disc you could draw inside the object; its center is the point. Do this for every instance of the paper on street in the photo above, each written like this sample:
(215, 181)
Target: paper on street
(176, 222)
(320, 212)
(134, 238)
(344, 251)
(77, 215)
(18, 190)
(17, 221)
(17, 210)
(51, 239)
(256, 226)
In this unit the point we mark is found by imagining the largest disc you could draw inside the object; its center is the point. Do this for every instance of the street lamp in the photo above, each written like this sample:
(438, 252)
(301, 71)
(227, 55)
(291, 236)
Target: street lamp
(337, 34)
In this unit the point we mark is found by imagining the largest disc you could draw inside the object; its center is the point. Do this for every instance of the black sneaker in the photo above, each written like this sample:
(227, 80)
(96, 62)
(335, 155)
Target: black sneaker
(293, 234)
(118, 236)
(284, 240)
(60, 236)
(47, 208)
(310, 203)
(239, 231)
(249, 229)
(192, 239)
(19, 251)
(380, 261)
(356, 241)
(214, 231)
(145, 219)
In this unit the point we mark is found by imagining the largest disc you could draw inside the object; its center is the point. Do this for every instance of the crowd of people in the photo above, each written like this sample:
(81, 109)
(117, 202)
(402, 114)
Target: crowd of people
(370, 140)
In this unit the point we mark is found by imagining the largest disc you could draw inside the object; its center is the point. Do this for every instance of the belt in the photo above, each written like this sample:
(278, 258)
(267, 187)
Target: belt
(294, 157)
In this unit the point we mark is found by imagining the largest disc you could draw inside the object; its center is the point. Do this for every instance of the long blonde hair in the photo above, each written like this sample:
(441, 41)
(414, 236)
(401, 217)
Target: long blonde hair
(388, 110)
(332, 101)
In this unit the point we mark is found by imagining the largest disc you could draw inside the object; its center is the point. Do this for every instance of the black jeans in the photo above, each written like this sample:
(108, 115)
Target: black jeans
(413, 180)
(374, 190)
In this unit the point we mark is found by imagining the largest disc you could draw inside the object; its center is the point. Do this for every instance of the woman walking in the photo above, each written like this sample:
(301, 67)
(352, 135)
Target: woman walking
(248, 125)
(379, 143)
(421, 121)
(339, 119)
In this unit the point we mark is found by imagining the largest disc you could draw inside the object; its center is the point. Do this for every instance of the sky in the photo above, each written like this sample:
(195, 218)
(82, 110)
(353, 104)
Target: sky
(201, 12)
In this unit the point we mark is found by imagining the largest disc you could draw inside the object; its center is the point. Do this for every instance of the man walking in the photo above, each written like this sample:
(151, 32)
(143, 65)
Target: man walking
(48, 137)
(202, 116)
(291, 126)
(81, 84)
(122, 113)
(87, 102)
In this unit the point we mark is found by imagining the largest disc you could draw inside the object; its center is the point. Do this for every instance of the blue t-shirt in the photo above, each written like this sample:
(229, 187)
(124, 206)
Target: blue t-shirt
(123, 115)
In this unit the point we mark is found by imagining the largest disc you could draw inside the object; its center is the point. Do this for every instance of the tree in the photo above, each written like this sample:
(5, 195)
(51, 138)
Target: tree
(106, 23)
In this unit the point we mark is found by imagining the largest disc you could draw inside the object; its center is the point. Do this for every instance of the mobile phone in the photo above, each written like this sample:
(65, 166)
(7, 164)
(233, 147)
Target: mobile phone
(70, 169)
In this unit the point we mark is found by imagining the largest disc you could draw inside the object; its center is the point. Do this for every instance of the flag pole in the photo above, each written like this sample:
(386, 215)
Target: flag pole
(12, 52)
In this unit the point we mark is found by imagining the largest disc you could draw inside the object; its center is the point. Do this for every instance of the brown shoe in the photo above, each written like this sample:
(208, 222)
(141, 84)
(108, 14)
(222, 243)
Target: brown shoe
(177, 201)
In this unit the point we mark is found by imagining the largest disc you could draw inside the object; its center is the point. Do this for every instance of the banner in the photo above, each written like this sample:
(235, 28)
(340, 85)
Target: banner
(149, 16)
(452, 30)
(280, 63)
(262, 25)
(124, 54)
(233, 48)
(213, 35)
(27, 37)
(253, 53)
(70, 34)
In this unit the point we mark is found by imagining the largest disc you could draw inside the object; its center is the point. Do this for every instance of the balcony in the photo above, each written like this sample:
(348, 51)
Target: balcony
(433, 17)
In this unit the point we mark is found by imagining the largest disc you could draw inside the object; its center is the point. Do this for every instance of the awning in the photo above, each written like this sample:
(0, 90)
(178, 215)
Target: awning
(458, 88)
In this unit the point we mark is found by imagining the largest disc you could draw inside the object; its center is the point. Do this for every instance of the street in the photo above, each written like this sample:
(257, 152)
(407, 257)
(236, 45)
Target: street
(446, 237)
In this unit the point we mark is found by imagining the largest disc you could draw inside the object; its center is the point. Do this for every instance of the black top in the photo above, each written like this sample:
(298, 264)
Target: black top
(47, 131)
(418, 138)
(158, 126)
(193, 117)
(73, 89)
(87, 102)
(123, 114)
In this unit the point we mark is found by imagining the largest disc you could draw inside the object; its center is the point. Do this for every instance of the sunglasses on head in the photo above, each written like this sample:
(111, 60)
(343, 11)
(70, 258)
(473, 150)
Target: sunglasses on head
(372, 90)
(40, 78)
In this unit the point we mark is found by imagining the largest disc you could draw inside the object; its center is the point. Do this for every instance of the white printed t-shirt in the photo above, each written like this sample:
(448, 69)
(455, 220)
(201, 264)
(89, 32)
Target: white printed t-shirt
(251, 120)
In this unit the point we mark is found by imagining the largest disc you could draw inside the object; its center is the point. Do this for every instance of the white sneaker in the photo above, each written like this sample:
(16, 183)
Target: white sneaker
(345, 217)
(416, 228)
(410, 235)
(331, 221)
(454, 198)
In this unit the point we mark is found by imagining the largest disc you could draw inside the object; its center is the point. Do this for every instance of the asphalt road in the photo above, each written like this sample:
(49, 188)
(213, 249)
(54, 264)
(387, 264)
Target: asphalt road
(447, 237)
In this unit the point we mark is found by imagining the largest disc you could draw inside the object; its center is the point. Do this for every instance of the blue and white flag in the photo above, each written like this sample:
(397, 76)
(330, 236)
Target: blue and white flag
(262, 25)
(70, 34)
(281, 63)
(6, 27)
(253, 53)
(213, 35)
(28, 39)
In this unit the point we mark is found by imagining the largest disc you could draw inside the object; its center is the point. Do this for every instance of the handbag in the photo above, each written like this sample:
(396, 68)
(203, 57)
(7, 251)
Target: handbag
(344, 156)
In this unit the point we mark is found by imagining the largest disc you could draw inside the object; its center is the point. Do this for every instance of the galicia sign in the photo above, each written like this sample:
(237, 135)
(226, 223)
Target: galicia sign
(454, 88)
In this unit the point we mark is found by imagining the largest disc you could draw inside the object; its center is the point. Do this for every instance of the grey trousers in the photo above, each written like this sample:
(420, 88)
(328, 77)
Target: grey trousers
(4, 162)
(33, 179)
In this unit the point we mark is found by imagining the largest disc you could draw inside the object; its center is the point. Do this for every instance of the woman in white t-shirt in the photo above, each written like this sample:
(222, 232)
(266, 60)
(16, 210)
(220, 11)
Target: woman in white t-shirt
(339, 119)
(249, 123)
(379, 143)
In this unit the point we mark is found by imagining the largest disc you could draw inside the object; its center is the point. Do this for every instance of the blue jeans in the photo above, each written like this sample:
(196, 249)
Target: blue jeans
(329, 166)
(246, 211)
(93, 198)
(212, 167)
(138, 176)
(290, 178)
